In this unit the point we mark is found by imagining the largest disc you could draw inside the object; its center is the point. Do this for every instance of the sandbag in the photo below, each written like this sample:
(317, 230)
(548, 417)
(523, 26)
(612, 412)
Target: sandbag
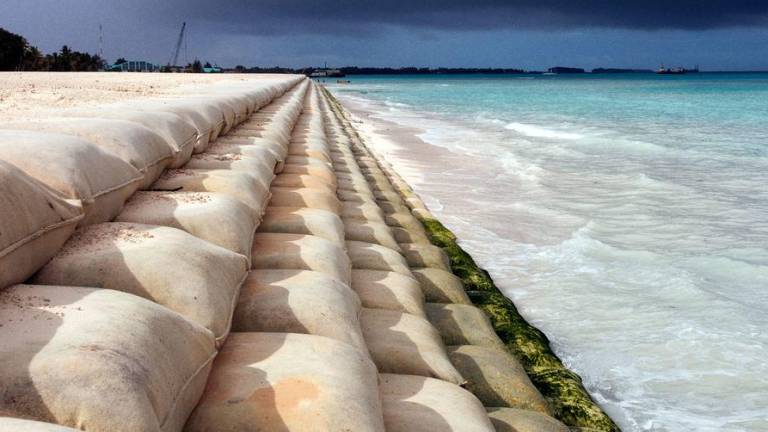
(388, 290)
(418, 404)
(99, 359)
(253, 146)
(369, 256)
(461, 324)
(361, 211)
(262, 167)
(406, 344)
(299, 301)
(306, 161)
(403, 235)
(440, 286)
(240, 185)
(519, 420)
(10, 424)
(425, 255)
(324, 173)
(213, 217)
(207, 118)
(177, 132)
(304, 197)
(347, 195)
(316, 151)
(496, 378)
(197, 279)
(371, 232)
(302, 220)
(35, 222)
(302, 181)
(289, 382)
(74, 168)
(145, 150)
(300, 252)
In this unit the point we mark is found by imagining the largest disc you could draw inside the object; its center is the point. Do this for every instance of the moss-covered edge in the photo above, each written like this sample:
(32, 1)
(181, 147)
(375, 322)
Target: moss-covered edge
(562, 388)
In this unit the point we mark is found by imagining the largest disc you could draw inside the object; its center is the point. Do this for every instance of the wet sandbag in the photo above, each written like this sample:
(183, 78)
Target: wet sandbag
(325, 173)
(418, 404)
(388, 290)
(240, 185)
(425, 255)
(262, 167)
(496, 378)
(302, 181)
(35, 222)
(213, 217)
(197, 279)
(440, 286)
(145, 150)
(300, 252)
(371, 232)
(304, 197)
(10, 424)
(74, 168)
(299, 301)
(289, 382)
(176, 131)
(520, 420)
(361, 211)
(406, 344)
(461, 324)
(99, 360)
(369, 256)
(302, 220)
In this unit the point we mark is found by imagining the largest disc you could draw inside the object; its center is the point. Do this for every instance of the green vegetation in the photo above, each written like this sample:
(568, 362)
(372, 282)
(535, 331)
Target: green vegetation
(16, 54)
(562, 389)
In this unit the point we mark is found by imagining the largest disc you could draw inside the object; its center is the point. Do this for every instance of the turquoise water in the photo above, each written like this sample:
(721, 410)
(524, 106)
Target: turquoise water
(629, 221)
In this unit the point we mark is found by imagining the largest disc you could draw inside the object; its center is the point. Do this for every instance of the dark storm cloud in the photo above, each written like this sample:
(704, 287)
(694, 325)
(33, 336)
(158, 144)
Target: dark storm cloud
(358, 16)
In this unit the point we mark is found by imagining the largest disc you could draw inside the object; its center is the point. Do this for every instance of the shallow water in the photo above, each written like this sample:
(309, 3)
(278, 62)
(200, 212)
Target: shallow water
(626, 215)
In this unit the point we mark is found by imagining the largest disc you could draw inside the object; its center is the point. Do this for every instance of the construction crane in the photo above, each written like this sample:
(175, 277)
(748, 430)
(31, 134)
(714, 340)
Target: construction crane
(175, 57)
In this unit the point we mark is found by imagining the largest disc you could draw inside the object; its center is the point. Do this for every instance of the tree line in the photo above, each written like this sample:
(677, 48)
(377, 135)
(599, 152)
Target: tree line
(16, 54)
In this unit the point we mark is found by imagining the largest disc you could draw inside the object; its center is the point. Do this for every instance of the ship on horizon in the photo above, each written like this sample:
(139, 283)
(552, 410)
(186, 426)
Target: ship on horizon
(676, 70)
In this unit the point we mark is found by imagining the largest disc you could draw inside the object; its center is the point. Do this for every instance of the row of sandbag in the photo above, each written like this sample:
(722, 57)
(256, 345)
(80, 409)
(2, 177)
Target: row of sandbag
(136, 356)
(495, 377)
(296, 359)
(80, 166)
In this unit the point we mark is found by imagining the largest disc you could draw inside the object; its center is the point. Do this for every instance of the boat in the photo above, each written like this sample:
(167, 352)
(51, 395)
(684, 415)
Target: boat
(675, 71)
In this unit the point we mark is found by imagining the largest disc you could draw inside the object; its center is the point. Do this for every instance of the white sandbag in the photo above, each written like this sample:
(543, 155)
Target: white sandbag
(197, 279)
(207, 119)
(99, 360)
(240, 185)
(324, 173)
(289, 382)
(403, 235)
(74, 168)
(10, 424)
(496, 378)
(302, 181)
(316, 151)
(418, 404)
(371, 232)
(307, 161)
(213, 217)
(176, 131)
(261, 167)
(369, 256)
(425, 255)
(300, 252)
(520, 420)
(299, 301)
(461, 324)
(346, 195)
(35, 222)
(440, 286)
(361, 211)
(246, 146)
(145, 150)
(302, 220)
(406, 344)
(304, 197)
(388, 290)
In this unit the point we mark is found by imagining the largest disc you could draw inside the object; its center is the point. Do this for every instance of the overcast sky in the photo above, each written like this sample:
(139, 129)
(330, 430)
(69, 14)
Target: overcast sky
(530, 34)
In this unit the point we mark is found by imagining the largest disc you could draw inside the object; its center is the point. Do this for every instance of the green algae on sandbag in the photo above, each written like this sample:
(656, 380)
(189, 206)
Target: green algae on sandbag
(562, 388)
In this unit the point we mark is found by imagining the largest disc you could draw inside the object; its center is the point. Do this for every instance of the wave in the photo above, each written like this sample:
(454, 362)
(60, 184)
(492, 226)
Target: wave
(540, 132)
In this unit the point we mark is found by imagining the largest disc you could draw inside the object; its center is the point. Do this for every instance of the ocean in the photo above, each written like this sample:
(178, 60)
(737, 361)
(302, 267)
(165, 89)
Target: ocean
(626, 215)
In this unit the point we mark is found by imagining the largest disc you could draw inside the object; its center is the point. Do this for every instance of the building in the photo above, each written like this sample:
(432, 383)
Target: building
(133, 66)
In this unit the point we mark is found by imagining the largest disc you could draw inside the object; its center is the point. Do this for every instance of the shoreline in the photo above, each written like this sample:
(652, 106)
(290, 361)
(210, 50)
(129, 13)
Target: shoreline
(562, 388)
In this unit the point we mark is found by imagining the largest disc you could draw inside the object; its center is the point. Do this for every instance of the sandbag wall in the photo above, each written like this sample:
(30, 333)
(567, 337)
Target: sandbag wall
(132, 229)
(482, 362)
